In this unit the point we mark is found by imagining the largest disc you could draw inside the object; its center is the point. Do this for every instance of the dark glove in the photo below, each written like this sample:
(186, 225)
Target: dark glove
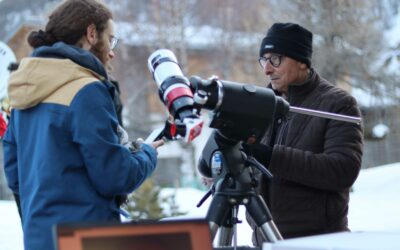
(261, 152)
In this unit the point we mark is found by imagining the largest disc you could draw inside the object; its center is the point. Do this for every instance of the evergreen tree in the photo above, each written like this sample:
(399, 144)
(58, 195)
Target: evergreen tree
(147, 203)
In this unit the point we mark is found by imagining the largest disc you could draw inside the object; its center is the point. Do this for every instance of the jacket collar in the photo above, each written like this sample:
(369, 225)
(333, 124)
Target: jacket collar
(78, 55)
(297, 92)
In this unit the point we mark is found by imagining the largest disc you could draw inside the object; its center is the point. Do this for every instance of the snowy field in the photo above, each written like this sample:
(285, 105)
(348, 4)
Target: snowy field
(374, 206)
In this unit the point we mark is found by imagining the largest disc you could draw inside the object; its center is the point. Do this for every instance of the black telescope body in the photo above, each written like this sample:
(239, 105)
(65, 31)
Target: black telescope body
(240, 111)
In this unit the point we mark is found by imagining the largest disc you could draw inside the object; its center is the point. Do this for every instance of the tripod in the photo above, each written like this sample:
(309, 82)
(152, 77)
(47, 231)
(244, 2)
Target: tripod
(234, 185)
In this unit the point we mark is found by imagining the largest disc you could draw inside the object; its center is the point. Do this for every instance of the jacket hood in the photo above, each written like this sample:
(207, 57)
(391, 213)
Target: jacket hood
(49, 69)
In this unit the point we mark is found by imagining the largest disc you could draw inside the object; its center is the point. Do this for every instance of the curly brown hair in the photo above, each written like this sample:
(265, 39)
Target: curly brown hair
(69, 21)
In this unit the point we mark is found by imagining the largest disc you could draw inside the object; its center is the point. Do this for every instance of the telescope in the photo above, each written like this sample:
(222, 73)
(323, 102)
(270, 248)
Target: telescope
(240, 114)
(239, 111)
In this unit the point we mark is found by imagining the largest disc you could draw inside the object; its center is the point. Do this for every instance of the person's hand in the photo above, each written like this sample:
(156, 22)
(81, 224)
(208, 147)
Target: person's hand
(156, 144)
(139, 141)
(207, 181)
(123, 136)
(261, 152)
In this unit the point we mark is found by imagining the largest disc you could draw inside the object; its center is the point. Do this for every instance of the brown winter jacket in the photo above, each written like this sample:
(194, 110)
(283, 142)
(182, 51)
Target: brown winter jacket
(315, 161)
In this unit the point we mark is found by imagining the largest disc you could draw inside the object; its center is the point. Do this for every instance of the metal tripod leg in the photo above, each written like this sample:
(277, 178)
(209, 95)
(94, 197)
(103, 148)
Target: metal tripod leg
(261, 215)
(225, 236)
(222, 216)
(228, 230)
(218, 213)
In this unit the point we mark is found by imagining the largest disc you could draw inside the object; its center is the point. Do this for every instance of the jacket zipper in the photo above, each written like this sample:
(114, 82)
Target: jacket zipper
(284, 123)
(280, 140)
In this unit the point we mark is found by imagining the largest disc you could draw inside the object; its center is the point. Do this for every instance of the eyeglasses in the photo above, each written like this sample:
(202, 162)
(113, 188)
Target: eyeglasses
(113, 42)
(274, 59)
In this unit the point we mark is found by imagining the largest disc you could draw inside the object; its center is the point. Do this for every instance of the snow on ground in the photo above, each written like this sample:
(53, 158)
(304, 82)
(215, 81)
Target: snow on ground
(375, 201)
(188, 198)
(374, 206)
(10, 227)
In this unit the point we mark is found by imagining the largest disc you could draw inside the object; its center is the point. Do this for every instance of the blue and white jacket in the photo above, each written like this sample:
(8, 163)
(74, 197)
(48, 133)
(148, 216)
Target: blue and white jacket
(61, 150)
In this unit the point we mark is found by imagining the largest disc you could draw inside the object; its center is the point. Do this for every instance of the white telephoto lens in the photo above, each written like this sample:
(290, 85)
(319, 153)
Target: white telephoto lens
(163, 64)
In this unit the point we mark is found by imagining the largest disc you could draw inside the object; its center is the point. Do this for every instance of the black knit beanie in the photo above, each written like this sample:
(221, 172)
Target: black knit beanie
(288, 39)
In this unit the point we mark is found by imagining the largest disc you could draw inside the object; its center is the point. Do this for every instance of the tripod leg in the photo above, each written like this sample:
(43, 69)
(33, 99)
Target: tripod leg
(217, 214)
(228, 229)
(261, 215)
(225, 236)
(235, 211)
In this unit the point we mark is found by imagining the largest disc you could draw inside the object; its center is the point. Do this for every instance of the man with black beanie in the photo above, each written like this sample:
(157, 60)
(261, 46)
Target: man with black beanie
(314, 160)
